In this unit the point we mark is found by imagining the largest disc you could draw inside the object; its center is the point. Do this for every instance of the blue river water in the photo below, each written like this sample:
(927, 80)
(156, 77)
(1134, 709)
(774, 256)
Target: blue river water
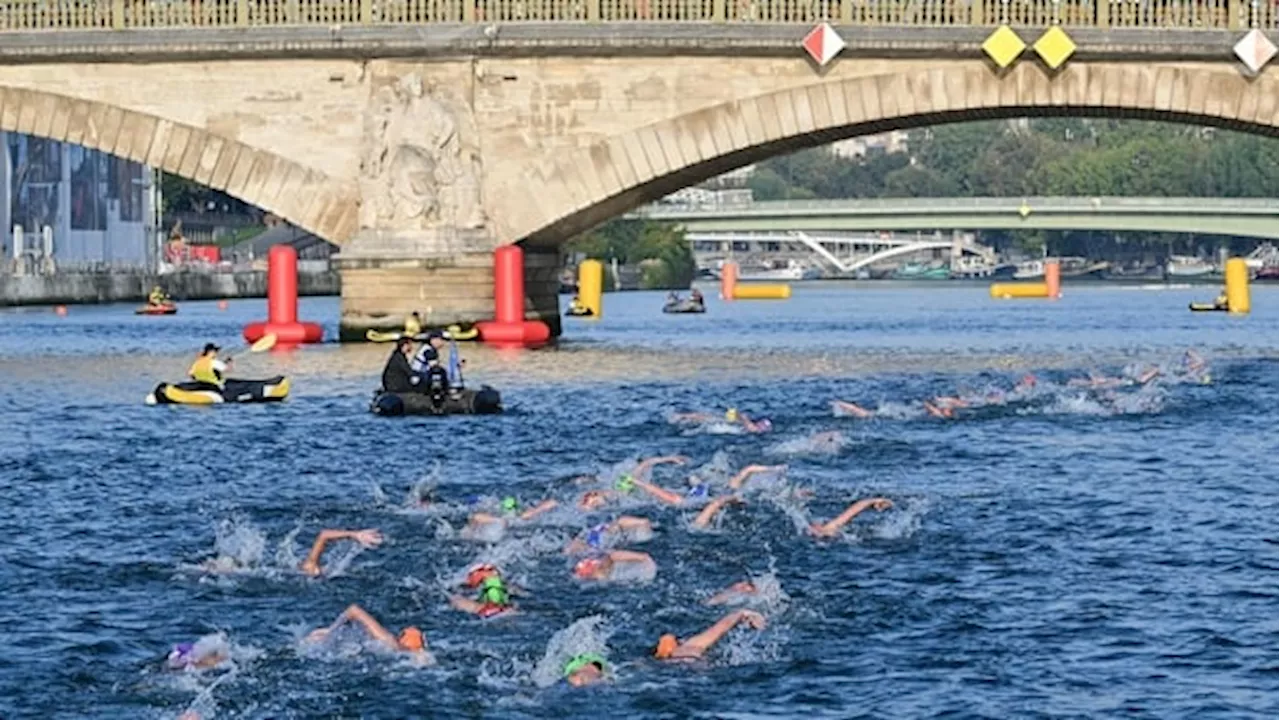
(1056, 553)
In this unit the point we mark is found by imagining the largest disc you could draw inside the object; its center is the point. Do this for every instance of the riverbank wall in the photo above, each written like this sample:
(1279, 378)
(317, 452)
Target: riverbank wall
(133, 286)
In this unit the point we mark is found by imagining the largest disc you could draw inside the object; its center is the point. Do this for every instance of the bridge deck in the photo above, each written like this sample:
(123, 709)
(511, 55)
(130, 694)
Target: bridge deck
(1189, 15)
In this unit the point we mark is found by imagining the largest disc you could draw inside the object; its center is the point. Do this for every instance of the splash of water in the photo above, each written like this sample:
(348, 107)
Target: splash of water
(585, 635)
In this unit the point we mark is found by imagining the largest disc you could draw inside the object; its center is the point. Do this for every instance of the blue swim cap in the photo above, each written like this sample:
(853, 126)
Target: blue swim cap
(595, 536)
(698, 491)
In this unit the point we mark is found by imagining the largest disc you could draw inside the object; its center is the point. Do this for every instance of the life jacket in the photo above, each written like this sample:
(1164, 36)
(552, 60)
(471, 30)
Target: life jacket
(202, 370)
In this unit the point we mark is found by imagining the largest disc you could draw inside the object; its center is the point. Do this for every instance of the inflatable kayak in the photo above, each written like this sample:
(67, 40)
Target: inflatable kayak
(485, 401)
(684, 306)
(167, 309)
(574, 312)
(454, 331)
(1206, 307)
(234, 391)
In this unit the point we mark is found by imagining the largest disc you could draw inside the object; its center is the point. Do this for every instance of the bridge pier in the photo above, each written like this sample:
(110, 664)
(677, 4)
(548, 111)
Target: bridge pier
(378, 292)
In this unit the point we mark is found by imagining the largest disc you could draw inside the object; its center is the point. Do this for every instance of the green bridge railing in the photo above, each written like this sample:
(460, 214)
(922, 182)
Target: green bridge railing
(1190, 15)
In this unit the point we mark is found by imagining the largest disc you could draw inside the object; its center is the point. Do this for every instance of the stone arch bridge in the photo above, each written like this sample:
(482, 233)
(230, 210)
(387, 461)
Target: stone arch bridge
(419, 136)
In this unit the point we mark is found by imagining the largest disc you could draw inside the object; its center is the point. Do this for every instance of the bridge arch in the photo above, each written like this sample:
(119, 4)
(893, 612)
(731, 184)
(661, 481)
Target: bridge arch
(303, 196)
(576, 191)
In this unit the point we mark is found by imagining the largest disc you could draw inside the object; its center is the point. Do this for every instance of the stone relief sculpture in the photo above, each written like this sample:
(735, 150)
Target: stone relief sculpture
(417, 172)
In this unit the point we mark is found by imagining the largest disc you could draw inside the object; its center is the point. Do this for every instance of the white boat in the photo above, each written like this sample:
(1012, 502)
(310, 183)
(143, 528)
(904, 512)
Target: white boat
(1187, 266)
(790, 272)
(1029, 270)
(972, 266)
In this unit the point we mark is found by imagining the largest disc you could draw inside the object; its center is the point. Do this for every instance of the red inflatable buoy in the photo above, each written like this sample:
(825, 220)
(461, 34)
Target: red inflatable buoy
(509, 328)
(282, 303)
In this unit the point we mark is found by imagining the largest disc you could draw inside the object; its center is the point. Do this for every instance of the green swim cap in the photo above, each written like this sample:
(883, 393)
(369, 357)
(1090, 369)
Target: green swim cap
(626, 483)
(509, 504)
(493, 590)
(582, 660)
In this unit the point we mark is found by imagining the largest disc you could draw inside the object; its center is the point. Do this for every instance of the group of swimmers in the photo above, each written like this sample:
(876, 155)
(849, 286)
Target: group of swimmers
(1193, 369)
(600, 551)
(485, 590)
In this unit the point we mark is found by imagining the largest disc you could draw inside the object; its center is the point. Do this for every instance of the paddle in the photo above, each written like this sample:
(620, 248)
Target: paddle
(264, 343)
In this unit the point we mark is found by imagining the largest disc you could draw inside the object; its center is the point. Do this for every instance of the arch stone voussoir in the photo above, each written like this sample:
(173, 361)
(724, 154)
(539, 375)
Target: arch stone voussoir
(271, 182)
(637, 166)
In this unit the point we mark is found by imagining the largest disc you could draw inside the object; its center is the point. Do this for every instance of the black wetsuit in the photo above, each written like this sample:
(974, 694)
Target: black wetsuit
(397, 376)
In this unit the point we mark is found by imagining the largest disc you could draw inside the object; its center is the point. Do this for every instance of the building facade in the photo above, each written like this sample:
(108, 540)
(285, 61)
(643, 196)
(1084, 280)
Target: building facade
(82, 208)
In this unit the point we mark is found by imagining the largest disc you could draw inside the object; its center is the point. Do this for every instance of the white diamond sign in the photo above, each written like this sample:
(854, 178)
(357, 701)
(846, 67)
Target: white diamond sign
(823, 43)
(1255, 50)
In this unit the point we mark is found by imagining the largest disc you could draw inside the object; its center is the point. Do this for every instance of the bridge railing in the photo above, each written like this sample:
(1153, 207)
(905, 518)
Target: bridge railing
(1269, 206)
(25, 15)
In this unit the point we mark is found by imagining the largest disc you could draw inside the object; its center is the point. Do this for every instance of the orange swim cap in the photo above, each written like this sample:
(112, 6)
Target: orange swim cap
(411, 639)
(667, 645)
(588, 567)
(478, 574)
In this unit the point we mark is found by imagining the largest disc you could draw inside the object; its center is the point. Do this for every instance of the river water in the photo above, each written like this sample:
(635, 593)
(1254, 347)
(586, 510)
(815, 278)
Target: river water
(1059, 553)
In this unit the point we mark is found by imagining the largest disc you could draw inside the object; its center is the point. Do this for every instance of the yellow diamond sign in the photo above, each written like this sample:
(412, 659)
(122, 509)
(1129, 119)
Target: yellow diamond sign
(1054, 47)
(1004, 46)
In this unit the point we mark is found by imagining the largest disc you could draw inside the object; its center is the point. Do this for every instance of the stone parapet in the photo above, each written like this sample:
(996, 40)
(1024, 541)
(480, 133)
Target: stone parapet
(643, 39)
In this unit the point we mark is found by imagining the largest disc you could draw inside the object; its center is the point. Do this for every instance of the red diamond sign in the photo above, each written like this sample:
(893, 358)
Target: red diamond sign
(823, 43)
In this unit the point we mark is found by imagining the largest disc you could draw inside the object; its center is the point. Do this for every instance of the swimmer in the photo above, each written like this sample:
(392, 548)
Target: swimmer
(494, 598)
(737, 481)
(366, 538)
(1026, 384)
(833, 526)
(713, 508)
(761, 426)
(489, 527)
(1096, 380)
(1192, 361)
(853, 409)
(410, 639)
(1146, 376)
(630, 528)
(735, 593)
(616, 565)
(209, 651)
(671, 648)
(939, 412)
(585, 669)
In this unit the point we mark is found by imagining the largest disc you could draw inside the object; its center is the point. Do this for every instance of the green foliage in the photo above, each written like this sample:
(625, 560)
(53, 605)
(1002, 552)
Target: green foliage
(179, 194)
(664, 256)
(1041, 156)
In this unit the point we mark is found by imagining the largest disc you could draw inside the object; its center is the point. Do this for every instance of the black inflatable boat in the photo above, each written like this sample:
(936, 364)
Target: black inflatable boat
(233, 391)
(485, 401)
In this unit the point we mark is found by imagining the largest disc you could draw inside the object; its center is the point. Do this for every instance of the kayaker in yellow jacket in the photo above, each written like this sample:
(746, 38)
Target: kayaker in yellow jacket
(412, 325)
(158, 296)
(208, 368)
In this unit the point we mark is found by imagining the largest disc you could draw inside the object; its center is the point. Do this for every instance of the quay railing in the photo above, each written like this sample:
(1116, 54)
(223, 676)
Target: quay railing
(54, 15)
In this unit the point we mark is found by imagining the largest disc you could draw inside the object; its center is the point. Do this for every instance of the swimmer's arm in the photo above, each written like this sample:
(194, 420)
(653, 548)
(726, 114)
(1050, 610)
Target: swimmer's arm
(660, 460)
(737, 480)
(832, 526)
(703, 641)
(629, 556)
(311, 565)
(732, 592)
(357, 614)
(631, 522)
(665, 496)
(712, 509)
(538, 509)
(465, 604)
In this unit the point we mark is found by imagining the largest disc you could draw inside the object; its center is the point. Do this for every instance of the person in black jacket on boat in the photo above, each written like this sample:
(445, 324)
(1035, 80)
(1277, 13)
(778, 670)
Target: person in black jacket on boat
(397, 376)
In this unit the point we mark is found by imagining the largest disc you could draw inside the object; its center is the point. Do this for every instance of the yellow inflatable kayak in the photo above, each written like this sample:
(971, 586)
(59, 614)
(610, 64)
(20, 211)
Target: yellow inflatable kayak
(234, 391)
(454, 332)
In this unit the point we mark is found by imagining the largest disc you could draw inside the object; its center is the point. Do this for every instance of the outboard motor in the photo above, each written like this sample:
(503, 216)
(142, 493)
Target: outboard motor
(437, 387)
